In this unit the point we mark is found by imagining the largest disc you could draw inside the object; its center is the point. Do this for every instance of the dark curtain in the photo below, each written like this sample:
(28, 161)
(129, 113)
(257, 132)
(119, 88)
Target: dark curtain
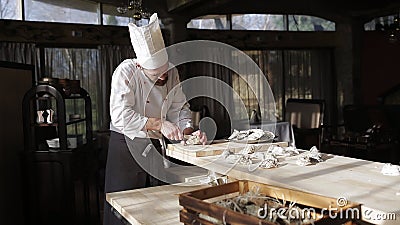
(304, 74)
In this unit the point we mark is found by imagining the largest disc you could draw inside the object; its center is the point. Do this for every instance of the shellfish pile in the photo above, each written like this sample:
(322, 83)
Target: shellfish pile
(271, 209)
(251, 135)
(252, 157)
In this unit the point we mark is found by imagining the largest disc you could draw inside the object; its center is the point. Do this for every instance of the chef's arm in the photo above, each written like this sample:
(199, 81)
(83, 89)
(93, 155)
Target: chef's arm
(124, 117)
(168, 129)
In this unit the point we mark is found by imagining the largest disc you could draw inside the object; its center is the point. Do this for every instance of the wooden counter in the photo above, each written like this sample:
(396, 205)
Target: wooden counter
(357, 180)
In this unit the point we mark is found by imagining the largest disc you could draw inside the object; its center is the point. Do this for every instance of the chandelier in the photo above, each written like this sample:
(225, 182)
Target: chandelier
(139, 12)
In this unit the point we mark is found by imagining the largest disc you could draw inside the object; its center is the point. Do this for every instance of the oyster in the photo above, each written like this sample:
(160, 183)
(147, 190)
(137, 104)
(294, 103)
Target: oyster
(234, 134)
(251, 135)
(314, 154)
(192, 139)
(245, 160)
(389, 169)
(309, 157)
(255, 134)
(270, 161)
(282, 151)
(303, 160)
(249, 149)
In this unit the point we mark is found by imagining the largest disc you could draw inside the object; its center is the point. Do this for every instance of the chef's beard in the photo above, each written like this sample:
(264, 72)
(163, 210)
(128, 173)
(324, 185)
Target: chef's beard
(160, 82)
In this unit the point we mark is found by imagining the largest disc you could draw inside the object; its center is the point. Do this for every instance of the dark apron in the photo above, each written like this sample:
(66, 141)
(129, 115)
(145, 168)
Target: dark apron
(123, 172)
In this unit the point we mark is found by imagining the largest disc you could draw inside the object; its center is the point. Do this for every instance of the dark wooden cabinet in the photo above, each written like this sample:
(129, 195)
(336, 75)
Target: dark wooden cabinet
(60, 174)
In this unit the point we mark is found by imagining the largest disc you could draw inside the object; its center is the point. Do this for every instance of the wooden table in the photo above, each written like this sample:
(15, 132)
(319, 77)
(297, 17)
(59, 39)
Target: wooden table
(155, 205)
(357, 180)
(354, 179)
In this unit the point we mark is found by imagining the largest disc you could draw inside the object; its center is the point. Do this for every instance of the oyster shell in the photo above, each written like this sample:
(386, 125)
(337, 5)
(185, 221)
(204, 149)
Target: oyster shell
(249, 149)
(309, 157)
(192, 139)
(251, 135)
(270, 161)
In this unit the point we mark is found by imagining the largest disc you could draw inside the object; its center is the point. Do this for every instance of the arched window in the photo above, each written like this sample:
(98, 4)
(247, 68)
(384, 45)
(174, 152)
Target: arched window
(383, 23)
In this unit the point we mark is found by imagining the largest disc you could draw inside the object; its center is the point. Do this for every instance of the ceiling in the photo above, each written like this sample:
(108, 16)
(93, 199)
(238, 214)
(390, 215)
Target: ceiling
(334, 10)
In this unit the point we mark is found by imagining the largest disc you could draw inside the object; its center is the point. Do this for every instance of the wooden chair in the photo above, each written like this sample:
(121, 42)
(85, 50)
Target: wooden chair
(306, 117)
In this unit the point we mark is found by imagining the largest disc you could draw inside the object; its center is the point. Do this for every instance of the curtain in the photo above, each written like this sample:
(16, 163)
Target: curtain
(208, 105)
(291, 74)
(94, 68)
(18, 52)
(77, 64)
(308, 75)
(207, 86)
(253, 87)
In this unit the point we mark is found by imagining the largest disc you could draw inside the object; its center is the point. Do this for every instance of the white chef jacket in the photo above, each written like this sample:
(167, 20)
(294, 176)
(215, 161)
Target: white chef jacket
(134, 98)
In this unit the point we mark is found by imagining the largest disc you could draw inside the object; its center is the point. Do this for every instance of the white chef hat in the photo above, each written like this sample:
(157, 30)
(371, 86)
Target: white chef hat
(148, 43)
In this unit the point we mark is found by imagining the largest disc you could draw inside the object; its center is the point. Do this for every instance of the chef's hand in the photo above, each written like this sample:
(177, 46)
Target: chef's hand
(202, 136)
(171, 131)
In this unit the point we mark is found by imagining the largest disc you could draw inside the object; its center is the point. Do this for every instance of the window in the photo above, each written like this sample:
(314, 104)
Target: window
(382, 23)
(257, 22)
(212, 22)
(10, 9)
(77, 64)
(309, 23)
(65, 11)
(272, 22)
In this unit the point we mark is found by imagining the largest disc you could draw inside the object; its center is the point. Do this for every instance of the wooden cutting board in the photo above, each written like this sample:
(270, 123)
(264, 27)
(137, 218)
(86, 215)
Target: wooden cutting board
(217, 149)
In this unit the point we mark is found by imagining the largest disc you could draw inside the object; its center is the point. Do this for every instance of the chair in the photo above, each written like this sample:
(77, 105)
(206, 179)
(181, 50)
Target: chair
(306, 117)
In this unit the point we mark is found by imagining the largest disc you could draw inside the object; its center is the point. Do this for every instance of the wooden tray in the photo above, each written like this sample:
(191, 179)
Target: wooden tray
(198, 206)
(217, 149)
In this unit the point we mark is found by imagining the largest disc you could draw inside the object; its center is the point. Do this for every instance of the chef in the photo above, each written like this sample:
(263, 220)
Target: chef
(146, 105)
